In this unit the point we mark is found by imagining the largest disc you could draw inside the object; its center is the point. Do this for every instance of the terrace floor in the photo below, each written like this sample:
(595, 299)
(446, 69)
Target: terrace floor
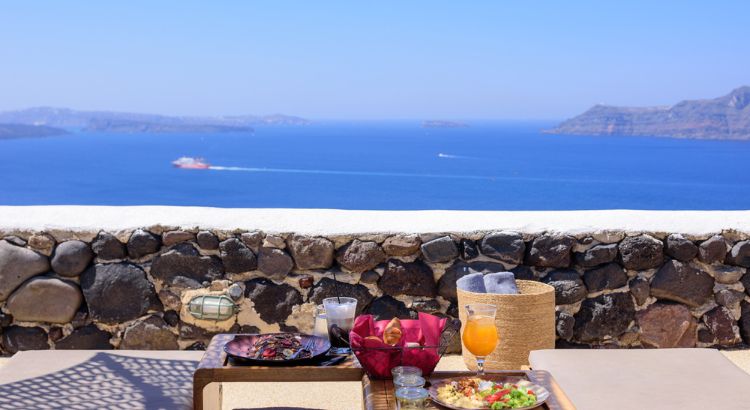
(343, 395)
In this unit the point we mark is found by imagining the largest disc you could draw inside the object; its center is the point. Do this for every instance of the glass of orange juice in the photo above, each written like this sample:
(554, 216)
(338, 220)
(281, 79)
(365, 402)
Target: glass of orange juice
(480, 334)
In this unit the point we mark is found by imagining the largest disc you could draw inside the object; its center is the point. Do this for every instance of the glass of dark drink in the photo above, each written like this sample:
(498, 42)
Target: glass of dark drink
(340, 313)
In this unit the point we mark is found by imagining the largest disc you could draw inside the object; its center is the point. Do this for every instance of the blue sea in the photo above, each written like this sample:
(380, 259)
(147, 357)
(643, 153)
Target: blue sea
(379, 165)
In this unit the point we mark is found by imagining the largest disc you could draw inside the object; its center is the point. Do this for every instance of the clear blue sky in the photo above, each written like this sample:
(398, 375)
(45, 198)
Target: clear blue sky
(431, 59)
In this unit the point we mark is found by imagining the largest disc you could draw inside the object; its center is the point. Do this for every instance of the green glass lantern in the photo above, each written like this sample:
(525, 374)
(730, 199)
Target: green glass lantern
(212, 307)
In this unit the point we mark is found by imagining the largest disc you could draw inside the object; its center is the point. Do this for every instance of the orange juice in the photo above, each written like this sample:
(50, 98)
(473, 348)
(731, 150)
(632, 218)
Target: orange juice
(480, 335)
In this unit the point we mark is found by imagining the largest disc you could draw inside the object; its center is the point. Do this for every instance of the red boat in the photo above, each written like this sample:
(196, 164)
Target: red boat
(191, 163)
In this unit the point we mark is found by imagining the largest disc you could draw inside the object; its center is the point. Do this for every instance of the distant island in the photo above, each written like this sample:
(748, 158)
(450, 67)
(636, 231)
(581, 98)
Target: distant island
(123, 122)
(145, 127)
(12, 131)
(726, 117)
(443, 124)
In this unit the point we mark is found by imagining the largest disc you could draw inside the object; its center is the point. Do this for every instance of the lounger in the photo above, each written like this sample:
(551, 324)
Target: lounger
(623, 379)
(91, 379)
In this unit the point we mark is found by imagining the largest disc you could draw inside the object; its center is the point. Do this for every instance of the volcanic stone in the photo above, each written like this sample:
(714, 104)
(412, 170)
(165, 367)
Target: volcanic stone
(552, 251)
(369, 277)
(328, 288)
(522, 272)
(569, 288)
(401, 245)
(172, 318)
(252, 240)
(468, 249)
(15, 240)
(597, 255)
(680, 248)
(386, 308)
(609, 276)
(272, 302)
(451, 337)
(172, 237)
(722, 325)
(565, 325)
(745, 280)
(71, 258)
(640, 290)
(116, 293)
(207, 240)
(727, 274)
(151, 333)
(107, 247)
(705, 336)
(184, 260)
(142, 243)
(86, 338)
(17, 338)
(740, 254)
(407, 278)
(274, 241)
(42, 243)
(641, 252)
(311, 252)
(430, 306)
(440, 250)
(55, 333)
(459, 269)
(359, 256)
(504, 246)
(17, 265)
(682, 283)
(275, 263)
(604, 315)
(745, 321)
(5, 319)
(181, 283)
(667, 325)
(43, 299)
(728, 298)
(713, 249)
(237, 257)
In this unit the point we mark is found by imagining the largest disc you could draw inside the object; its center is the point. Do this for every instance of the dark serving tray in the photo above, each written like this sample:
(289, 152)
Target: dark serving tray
(238, 348)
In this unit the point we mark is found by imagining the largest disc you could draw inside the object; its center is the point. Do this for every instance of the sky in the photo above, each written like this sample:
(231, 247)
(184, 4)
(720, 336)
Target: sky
(380, 60)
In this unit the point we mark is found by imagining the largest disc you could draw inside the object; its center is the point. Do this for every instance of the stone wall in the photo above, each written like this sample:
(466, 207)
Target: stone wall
(67, 289)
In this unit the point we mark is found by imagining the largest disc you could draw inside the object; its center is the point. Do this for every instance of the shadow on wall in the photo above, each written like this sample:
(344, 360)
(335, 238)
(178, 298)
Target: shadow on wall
(106, 381)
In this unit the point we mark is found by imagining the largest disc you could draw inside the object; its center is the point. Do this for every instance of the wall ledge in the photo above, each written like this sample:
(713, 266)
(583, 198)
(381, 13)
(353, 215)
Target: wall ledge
(347, 222)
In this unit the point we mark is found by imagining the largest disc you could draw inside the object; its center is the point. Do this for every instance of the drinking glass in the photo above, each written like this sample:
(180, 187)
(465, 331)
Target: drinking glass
(408, 380)
(411, 398)
(340, 317)
(320, 328)
(480, 334)
(404, 370)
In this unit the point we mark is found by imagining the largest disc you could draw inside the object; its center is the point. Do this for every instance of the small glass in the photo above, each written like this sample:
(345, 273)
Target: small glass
(411, 398)
(340, 313)
(320, 328)
(404, 370)
(480, 333)
(408, 380)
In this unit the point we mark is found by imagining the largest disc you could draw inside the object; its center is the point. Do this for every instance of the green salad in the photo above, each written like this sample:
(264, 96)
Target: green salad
(478, 393)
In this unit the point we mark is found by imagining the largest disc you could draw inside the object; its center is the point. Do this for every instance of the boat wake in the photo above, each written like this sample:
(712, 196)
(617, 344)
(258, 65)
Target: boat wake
(451, 156)
(348, 173)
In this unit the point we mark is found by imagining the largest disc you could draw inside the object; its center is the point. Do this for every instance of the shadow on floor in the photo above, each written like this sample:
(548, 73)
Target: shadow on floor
(106, 381)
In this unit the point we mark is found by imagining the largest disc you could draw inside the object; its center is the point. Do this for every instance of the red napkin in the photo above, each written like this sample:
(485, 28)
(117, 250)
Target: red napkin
(378, 358)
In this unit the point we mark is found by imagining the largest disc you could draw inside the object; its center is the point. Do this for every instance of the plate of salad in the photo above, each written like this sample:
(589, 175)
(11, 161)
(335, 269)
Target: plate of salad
(488, 392)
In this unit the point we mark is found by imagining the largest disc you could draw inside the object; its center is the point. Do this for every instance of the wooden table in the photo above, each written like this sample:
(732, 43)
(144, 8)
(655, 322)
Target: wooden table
(378, 394)
(214, 367)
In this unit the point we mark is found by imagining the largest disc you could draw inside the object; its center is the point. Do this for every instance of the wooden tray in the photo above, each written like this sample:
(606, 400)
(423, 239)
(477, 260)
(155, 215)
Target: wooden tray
(378, 394)
(214, 367)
